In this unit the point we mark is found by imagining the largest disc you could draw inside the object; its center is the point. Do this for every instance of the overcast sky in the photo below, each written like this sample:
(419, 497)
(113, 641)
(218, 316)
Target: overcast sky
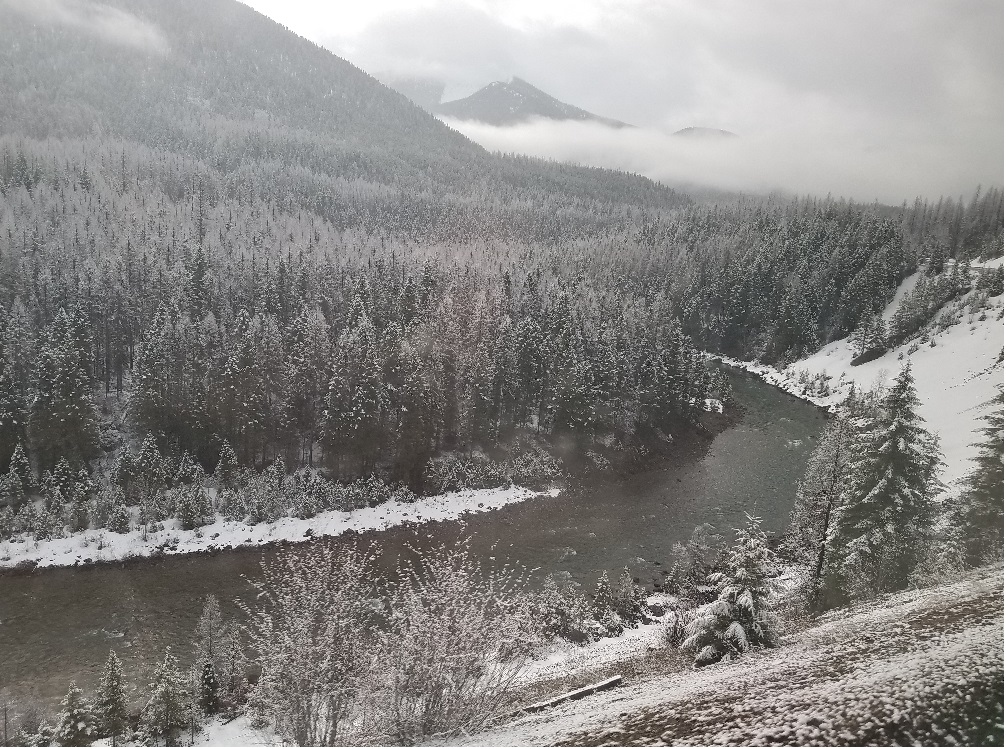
(864, 98)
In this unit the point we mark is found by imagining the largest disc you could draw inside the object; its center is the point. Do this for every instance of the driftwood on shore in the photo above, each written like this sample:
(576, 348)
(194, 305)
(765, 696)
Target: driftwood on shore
(576, 694)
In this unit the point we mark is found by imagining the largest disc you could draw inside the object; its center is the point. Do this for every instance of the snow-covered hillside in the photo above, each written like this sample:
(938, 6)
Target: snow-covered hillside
(956, 372)
(921, 666)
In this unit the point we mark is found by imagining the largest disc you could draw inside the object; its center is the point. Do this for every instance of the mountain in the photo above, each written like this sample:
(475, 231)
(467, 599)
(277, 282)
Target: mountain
(704, 132)
(507, 103)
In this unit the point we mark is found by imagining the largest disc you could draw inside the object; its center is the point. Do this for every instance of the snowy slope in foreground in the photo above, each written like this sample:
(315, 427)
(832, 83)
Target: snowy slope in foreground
(877, 674)
(106, 546)
(953, 378)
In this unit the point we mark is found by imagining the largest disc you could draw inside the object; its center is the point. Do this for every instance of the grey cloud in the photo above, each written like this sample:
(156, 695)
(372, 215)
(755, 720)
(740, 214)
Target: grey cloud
(895, 98)
(104, 21)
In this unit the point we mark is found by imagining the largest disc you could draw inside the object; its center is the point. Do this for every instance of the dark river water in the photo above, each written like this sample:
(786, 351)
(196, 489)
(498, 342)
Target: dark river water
(59, 625)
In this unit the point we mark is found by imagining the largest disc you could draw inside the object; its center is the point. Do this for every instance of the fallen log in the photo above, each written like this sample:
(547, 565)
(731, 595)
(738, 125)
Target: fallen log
(576, 694)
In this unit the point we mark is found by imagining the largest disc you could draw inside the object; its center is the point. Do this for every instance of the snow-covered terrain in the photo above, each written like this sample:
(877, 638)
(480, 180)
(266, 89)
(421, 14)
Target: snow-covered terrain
(914, 667)
(105, 546)
(955, 374)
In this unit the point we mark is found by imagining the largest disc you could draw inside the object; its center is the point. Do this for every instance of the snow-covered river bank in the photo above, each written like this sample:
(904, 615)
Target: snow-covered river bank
(95, 547)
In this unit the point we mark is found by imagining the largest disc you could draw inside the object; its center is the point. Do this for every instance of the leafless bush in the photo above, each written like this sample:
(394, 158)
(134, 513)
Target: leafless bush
(312, 631)
(458, 641)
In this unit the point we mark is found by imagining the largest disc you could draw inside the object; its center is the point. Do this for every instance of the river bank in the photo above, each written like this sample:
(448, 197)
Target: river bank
(57, 624)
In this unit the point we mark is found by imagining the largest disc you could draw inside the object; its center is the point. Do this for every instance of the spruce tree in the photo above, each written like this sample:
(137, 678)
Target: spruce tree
(209, 690)
(227, 467)
(879, 534)
(62, 418)
(166, 709)
(75, 724)
(741, 617)
(981, 511)
(110, 702)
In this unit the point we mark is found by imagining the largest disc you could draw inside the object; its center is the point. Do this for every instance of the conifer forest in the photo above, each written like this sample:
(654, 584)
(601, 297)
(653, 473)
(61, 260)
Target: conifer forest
(244, 287)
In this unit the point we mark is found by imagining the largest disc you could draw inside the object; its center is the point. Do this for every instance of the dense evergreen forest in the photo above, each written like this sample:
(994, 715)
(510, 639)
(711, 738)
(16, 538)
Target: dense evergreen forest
(226, 238)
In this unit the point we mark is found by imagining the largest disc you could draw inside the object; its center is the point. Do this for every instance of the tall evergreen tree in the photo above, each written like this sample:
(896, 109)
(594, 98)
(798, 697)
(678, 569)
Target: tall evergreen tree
(879, 533)
(75, 724)
(62, 420)
(981, 502)
(166, 708)
(110, 705)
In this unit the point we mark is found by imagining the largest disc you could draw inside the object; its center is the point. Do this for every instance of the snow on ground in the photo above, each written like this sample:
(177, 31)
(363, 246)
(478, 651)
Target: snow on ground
(954, 377)
(238, 732)
(565, 658)
(918, 666)
(105, 546)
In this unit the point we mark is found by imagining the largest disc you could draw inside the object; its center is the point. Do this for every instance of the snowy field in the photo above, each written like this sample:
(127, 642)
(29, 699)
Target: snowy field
(105, 546)
(906, 668)
(954, 377)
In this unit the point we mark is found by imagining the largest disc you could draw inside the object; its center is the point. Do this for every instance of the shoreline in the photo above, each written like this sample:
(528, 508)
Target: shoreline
(102, 547)
(780, 380)
(96, 548)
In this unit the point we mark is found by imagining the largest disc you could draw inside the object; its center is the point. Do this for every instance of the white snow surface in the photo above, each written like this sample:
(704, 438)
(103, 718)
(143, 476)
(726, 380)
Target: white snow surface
(92, 547)
(852, 671)
(954, 378)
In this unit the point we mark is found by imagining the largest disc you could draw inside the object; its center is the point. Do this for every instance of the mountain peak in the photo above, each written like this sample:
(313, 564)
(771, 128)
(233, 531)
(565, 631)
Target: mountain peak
(515, 101)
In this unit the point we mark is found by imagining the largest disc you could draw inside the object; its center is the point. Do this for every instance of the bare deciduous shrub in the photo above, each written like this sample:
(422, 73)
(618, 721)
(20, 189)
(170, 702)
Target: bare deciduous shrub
(312, 631)
(458, 641)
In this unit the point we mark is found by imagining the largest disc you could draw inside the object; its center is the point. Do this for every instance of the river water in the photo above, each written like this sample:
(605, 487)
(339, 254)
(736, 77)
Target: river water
(58, 625)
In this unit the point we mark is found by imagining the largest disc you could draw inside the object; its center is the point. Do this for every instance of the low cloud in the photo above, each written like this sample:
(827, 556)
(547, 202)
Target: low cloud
(98, 19)
(822, 161)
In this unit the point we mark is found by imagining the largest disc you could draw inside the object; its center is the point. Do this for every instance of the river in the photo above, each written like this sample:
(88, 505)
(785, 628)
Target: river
(57, 625)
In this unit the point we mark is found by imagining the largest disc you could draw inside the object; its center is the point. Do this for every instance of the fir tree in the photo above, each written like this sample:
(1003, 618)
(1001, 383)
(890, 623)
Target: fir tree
(227, 467)
(981, 510)
(75, 724)
(209, 690)
(741, 617)
(166, 709)
(879, 533)
(110, 702)
(20, 466)
(62, 419)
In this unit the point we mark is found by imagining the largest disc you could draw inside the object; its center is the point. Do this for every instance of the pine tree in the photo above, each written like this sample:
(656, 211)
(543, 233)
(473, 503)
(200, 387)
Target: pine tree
(879, 534)
(981, 511)
(227, 467)
(62, 419)
(166, 708)
(209, 690)
(741, 617)
(75, 724)
(110, 702)
(20, 466)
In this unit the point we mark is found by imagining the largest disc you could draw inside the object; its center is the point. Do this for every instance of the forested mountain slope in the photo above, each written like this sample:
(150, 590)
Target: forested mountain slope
(217, 233)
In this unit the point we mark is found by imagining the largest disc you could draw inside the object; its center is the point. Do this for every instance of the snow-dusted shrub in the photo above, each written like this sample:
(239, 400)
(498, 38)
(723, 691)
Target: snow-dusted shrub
(533, 466)
(313, 632)
(566, 613)
(741, 616)
(457, 643)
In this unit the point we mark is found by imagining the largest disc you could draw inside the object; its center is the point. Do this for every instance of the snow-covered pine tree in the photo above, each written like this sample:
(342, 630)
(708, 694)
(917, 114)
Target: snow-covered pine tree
(75, 724)
(62, 418)
(110, 706)
(819, 499)
(981, 511)
(226, 472)
(20, 466)
(628, 599)
(741, 617)
(166, 709)
(879, 533)
(209, 690)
